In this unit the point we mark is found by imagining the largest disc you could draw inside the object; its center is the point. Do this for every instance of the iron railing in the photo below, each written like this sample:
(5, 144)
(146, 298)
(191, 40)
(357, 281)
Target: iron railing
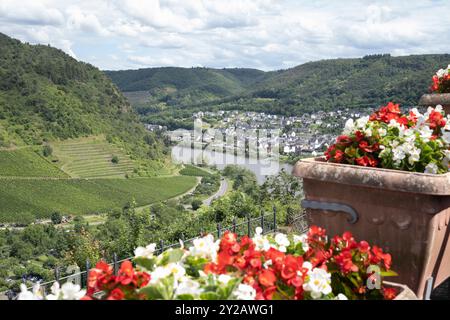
(268, 222)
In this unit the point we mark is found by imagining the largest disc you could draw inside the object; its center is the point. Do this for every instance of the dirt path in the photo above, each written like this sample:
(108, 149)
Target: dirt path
(220, 193)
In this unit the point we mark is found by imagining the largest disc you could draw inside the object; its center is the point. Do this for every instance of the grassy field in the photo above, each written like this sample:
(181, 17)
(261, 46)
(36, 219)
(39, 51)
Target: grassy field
(40, 197)
(91, 158)
(27, 163)
(190, 170)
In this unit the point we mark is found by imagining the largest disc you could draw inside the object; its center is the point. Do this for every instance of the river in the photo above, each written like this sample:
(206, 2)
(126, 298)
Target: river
(260, 167)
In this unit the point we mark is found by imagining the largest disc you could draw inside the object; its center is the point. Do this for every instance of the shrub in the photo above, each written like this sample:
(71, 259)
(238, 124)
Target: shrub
(56, 217)
(115, 159)
(47, 150)
(196, 204)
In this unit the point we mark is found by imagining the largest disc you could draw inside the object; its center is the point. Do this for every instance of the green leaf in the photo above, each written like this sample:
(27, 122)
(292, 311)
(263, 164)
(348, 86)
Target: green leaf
(390, 273)
(152, 293)
(227, 290)
(146, 263)
(185, 297)
(209, 296)
(171, 256)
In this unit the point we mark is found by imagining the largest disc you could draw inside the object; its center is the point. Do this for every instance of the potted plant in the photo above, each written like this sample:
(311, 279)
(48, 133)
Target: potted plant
(440, 91)
(386, 180)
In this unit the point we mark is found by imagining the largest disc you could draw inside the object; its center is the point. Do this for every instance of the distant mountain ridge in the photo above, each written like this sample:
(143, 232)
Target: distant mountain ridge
(326, 84)
(231, 80)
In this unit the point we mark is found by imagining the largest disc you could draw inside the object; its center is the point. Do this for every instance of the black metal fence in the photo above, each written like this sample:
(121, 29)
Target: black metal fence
(268, 222)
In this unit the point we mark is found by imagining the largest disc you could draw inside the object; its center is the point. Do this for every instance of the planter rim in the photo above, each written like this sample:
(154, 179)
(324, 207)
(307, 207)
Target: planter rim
(396, 180)
(431, 99)
(405, 293)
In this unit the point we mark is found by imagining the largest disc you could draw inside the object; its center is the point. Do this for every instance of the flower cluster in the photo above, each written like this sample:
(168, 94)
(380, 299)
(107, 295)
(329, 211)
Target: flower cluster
(441, 81)
(122, 286)
(68, 291)
(288, 267)
(271, 273)
(355, 267)
(393, 140)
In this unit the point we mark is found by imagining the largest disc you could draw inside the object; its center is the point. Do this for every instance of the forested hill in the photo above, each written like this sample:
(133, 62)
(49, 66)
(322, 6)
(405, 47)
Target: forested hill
(176, 86)
(326, 84)
(46, 95)
(224, 80)
(368, 81)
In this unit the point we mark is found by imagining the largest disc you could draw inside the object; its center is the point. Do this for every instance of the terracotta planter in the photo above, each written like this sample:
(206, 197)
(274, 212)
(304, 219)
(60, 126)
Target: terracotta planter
(434, 99)
(404, 293)
(405, 213)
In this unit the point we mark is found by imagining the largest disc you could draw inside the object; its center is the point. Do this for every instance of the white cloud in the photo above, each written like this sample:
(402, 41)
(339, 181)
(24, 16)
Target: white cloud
(152, 62)
(266, 34)
(85, 22)
(29, 12)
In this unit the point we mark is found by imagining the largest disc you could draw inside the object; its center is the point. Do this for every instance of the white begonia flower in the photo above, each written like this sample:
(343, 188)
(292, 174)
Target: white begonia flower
(439, 108)
(145, 252)
(282, 240)
(224, 278)
(368, 132)
(262, 243)
(34, 294)
(446, 154)
(414, 156)
(447, 123)
(362, 122)
(68, 291)
(307, 265)
(441, 72)
(268, 263)
(318, 283)
(349, 127)
(446, 160)
(398, 153)
(341, 296)
(71, 291)
(446, 137)
(431, 168)
(188, 286)
(205, 247)
(408, 133)
(159, 273)
(425, 133)
(55, 292)
(245, 292)
(416, 112)
(303, 239)
(177, 270)
(382, 132)
(394, 124)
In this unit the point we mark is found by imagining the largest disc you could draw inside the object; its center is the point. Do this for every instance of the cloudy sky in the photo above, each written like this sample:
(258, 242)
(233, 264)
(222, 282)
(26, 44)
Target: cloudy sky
(264, 34)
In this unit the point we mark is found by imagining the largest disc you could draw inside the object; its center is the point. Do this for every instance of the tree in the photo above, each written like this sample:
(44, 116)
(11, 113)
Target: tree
(56, 217)
(115, 159)
(196, 204)
(47, 150)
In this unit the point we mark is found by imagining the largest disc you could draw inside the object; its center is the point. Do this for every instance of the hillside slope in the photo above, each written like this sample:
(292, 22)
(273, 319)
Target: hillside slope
(182, 86)
(46, 95)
